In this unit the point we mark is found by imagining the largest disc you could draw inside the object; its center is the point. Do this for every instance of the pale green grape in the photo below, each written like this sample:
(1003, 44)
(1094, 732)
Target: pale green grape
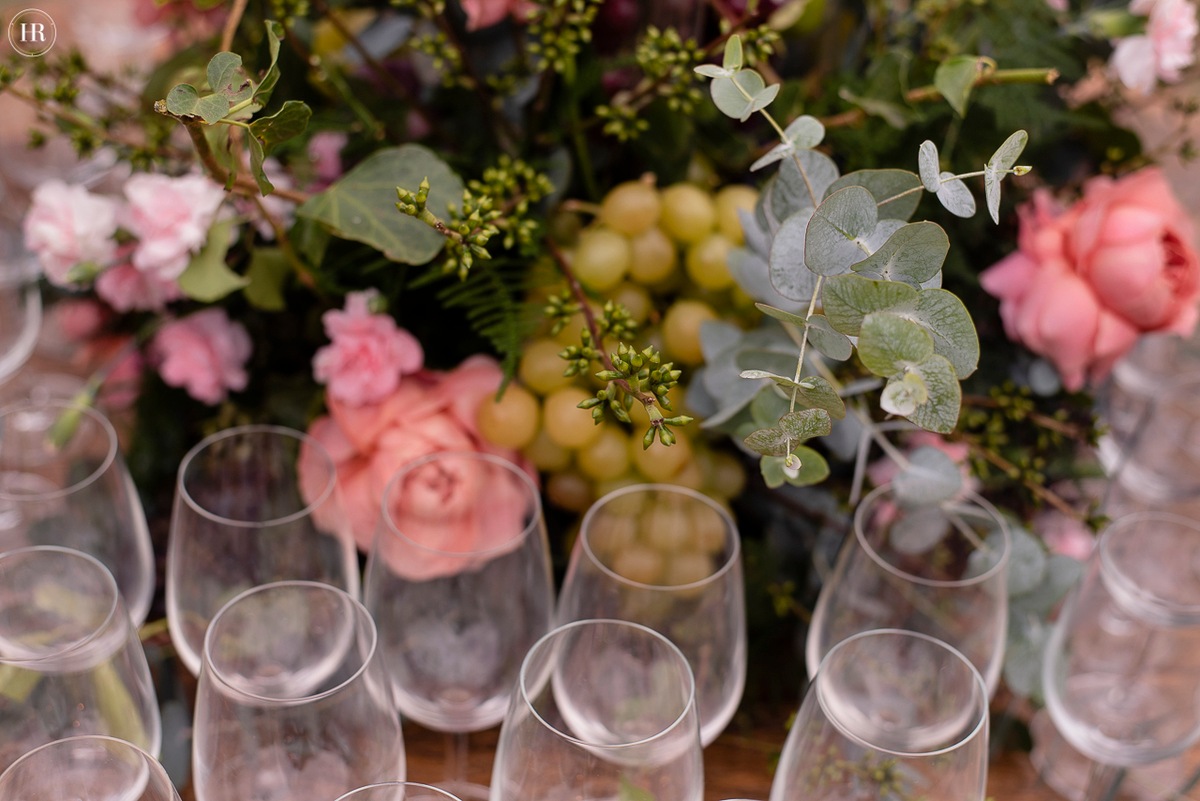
(729, 200)
(631, 207)
(707, 262)
(601, 258)
(607, 456)
(652, 257)
(681, 330)
(541, 368)
(688, 213)
(510, 421)
(565, 423)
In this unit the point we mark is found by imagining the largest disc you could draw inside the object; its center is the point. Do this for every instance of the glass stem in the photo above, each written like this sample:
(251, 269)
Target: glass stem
(457, 751)
(1104, 782)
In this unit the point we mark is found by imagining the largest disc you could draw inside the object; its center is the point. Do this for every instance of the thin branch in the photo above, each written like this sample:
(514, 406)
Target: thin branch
(1013, 471)
(231, 23)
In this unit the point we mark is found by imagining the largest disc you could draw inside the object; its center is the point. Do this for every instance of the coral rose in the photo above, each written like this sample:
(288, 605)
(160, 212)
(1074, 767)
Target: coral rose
(427, 413)
(205, 353)
(1086, 281)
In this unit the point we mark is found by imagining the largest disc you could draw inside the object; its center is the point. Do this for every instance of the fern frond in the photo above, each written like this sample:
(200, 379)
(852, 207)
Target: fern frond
(493, 301)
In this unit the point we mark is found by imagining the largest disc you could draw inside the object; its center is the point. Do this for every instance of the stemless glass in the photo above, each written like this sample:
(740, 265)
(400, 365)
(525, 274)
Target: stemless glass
(669, 558)
(63, 482)
(398, 791)
(293, 702)
(241, 519)
(460, 586)
(70, 658)
(87, 768)
(603, 710)
(1122, 664)
(890, 713)
(937, 569)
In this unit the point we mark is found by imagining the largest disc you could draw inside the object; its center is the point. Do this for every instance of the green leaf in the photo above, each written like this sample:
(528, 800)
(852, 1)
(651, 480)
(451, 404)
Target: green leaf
(851, 297)
(833, 344)
(207, 277)
(733, 53)
(768, 406)
(954, 195)
(955, 78)
(182, 99)
(711, 71)
(943, 314)
(267, 273)
(888, 344)
(801, 182)
(805, 424)
(940, 412)
(802, 133)
(929, 477)
(913, 254)
(361, 206)
(890, 188)
(997, 168)
(734, 94)
(813, 469)
(890, 112)
(291, 120)
(257, 157)
(789, 275)
(226, 76)
(837, 234)
(930, 168)
(768, 442)
(212, 108)
(262, 92)
(903, 394)
(812, 393)
(764, 98)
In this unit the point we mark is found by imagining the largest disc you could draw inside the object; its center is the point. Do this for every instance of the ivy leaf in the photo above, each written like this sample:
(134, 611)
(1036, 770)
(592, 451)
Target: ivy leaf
(927, 163)
(892, 190)
(734, 94)
(913, 255)
(262, 92)
(227, 78)
(954, 195)
(946, 318)
(955, 78)
(939, 413)
(837, 234)
(850, 297)
(813, 469)
(291, 120)
(184, 101)
(888, 344)
(790, 276)
(361, 205)
(929, 477)
(998, 166)
(207, 277)
(257, 157)
(266, 275)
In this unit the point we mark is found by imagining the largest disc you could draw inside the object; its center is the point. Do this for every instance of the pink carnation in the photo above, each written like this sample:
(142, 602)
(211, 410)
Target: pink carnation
(1166, 48)
(66, 225)
(368, 354)
(205, 353)
(170, 218)
(485, 13)
(325, 152)
(1086, 281)
(126, 288)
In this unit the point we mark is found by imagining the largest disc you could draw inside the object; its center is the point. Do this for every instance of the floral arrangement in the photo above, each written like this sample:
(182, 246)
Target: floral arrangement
(618, 241)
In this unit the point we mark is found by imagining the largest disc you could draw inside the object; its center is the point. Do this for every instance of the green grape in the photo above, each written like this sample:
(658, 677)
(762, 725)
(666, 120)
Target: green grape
(631, 207)
(601, 258)
(541, 368)
(681, 330)
(606, 457)
(565, 423)
(638, 563)
(510, 421)
(609, 534)
(664, 527)
(687, 567)
(635, 299)
(652, 257)
(658, 462)
(546, 454)
(707, 262)
(729, 200)
(688, 213)
(569, 490)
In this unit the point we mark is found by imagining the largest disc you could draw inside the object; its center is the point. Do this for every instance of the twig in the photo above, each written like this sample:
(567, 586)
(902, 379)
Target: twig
(1012, 470)
(241, 186)
(231, 23)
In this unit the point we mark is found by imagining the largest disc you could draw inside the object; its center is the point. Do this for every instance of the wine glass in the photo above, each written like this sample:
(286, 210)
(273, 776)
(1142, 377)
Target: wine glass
(398, 791)
(669, 558)
(889, 713)
(938, 569)
(87, 768)
(20, 304)
(603, 709)
(293, 702)
(70, 658)
(63, 482)
(1122, 664)
(460, 586)
(245, 515)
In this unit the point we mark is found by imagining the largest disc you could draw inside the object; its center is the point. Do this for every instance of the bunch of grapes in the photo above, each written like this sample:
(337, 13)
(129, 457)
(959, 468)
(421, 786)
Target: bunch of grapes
(663, 255)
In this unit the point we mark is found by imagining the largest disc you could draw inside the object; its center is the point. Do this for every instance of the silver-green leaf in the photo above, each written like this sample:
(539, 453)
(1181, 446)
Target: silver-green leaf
(913, 254)
(927, 163)
(851, 297)
(734, 94)
(943, 314)
(998, 166)
(940, 411)
(892, 189)
(929, 477)
(837, 234)
(888, 344)
(955, 196)
(789, 275)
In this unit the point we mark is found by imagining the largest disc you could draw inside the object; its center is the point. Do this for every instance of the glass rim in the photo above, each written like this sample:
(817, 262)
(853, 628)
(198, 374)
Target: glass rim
(114, 606)
(106, 741)
(535, 519)
(93, 414)
(19, 352)
(982, 503)
(981, 725)
(731, 529)
(690, 705)
(1172, 613)
(407, 784)
(368, 657)
(256, 428)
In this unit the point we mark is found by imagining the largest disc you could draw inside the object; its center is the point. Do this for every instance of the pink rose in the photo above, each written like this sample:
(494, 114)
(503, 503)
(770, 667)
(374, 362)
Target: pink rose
(126, 288)
(1064, 535)
(1086, 281)
(205, 353)
(427, 413)
(1166, 48)
(170, 218)
(883, 471)
(368, 354)
(325, 153)
(485, 13)
(66, 225)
